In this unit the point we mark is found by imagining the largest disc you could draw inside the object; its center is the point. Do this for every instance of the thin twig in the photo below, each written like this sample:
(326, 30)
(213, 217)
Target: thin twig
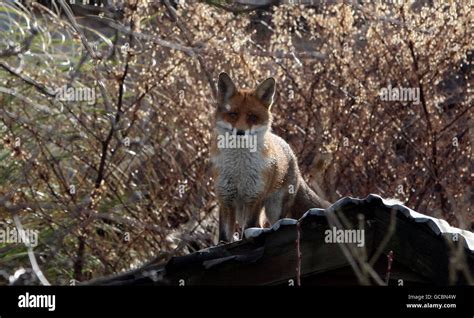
(39, 86)
(31, 254)
(389, 266)
(386, 239)
(186, 33)
(76, 27)
(298, 254)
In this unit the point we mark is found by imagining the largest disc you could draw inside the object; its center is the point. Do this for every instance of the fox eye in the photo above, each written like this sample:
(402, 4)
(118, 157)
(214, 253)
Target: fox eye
(252, 118)
(233, 115)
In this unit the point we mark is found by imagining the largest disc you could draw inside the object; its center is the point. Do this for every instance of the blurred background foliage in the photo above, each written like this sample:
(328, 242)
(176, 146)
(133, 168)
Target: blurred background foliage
(115, 182)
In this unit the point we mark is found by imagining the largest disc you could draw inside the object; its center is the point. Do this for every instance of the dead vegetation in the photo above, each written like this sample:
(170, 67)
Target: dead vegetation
(114, 180)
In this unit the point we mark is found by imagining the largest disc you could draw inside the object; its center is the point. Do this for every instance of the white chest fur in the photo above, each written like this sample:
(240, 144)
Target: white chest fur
(240, 174)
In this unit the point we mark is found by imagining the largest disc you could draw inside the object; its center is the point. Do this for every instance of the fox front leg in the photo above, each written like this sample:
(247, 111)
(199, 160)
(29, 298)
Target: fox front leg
(226, 223)
(251, 217)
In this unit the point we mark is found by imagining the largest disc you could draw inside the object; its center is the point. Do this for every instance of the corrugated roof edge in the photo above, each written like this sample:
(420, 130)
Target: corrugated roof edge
(438, 226)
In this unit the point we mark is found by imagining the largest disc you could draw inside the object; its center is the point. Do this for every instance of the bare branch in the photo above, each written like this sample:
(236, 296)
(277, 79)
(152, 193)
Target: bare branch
(31, 254)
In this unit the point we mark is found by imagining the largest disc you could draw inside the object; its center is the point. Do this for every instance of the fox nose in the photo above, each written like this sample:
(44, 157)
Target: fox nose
(240, 132)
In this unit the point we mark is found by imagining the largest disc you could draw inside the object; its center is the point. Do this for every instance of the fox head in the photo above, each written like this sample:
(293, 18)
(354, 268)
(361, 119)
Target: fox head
(244, 111)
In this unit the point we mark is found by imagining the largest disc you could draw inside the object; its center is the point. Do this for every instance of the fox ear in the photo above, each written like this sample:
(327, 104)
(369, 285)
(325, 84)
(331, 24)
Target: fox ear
(265, 91)
(225, 87)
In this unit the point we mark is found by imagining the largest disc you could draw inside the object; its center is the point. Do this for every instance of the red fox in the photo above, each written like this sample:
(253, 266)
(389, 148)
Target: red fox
(253, 168)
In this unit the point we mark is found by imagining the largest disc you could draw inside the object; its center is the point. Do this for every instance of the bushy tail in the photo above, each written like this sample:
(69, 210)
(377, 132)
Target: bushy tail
(306, 199)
